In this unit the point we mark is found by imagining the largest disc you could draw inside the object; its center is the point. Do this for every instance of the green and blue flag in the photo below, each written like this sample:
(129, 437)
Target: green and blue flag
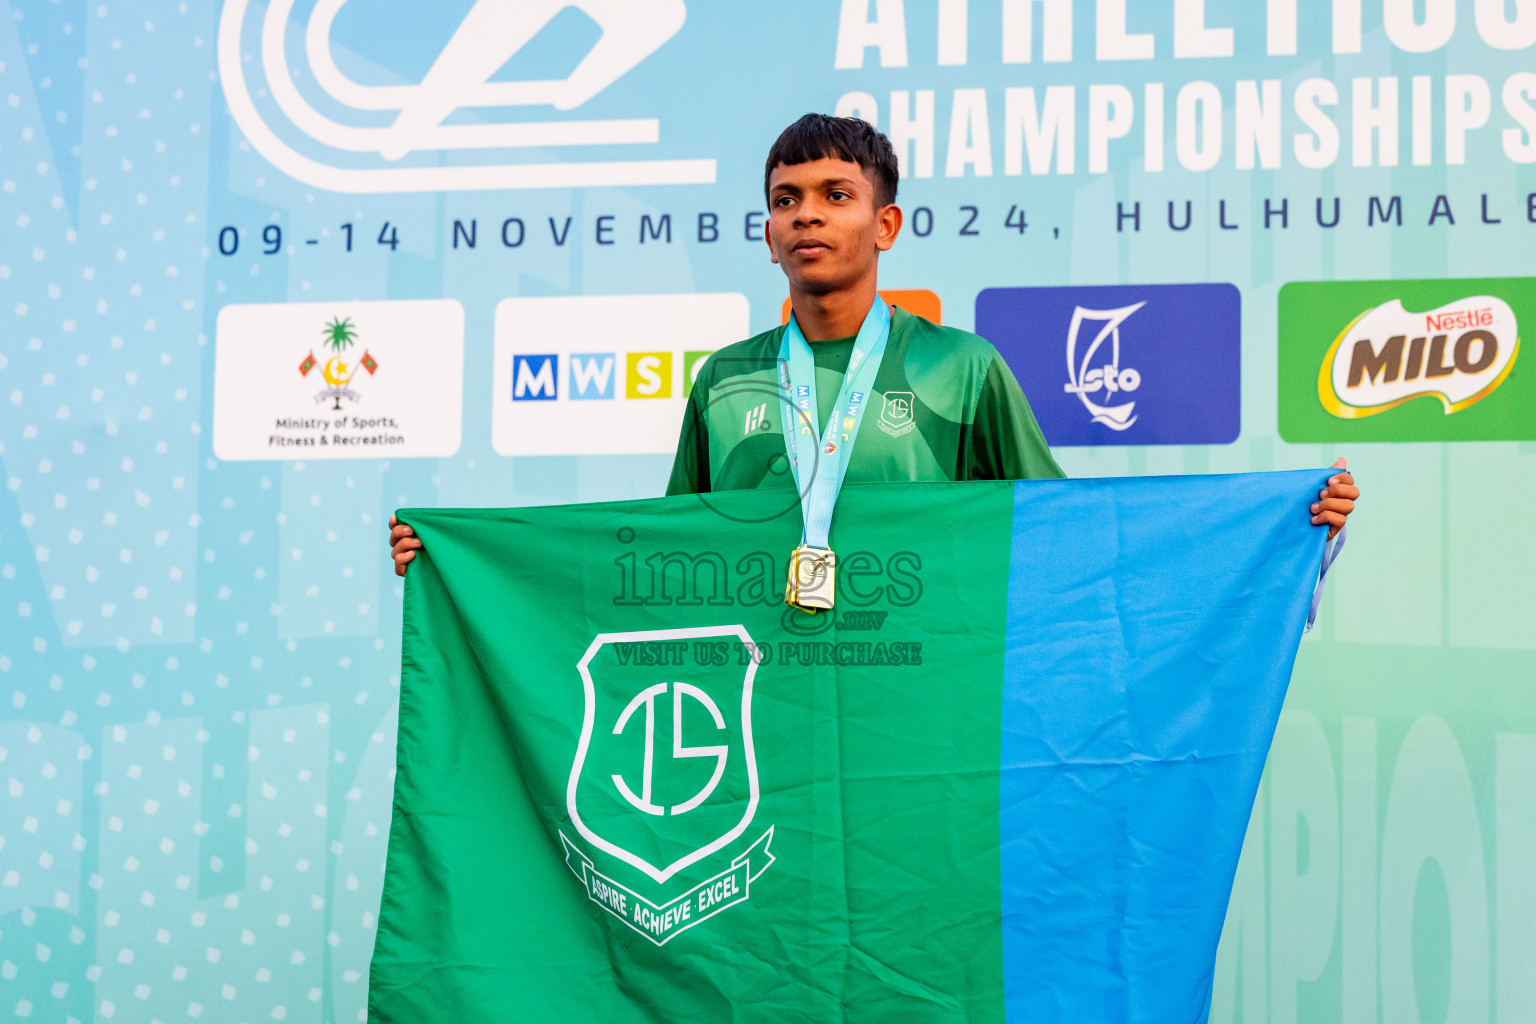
(1006, 779)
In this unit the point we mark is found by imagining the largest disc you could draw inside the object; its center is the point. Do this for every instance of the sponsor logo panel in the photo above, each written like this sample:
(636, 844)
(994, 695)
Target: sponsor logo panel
(603, 374)
(338, 380)
(1405, 360)
(1123, 364)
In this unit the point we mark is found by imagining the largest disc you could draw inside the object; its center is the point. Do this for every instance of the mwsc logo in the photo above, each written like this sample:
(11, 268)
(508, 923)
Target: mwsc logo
(603, 374)
(589, 376)
(353, 152)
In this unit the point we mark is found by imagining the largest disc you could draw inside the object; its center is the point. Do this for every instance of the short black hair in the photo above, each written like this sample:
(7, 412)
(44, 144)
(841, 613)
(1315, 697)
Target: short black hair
(819, 136)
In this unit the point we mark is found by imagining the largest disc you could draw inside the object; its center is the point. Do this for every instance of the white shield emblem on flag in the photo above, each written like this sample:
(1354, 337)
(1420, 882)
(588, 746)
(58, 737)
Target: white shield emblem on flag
(665, 774)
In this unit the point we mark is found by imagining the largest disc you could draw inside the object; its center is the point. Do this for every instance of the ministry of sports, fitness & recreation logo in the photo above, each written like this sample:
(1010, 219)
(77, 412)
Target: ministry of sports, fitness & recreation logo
(663, 787)
(319, 125)
(342, 379)
(338, 371)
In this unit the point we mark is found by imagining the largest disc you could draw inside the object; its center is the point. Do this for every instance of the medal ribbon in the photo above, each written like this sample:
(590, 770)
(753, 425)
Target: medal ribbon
(1330, 552)
(798, 375)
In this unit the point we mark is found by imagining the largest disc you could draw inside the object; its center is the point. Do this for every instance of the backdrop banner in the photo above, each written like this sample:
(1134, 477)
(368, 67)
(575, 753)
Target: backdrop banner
(270, 269)
(1007, 778)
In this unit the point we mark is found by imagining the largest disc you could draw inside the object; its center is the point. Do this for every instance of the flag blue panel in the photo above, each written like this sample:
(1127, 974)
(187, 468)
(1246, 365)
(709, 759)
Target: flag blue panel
(1145, 670)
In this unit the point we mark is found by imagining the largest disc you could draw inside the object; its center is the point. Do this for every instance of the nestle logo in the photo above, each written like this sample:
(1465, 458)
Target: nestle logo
(1457, 319)
(1383, 359)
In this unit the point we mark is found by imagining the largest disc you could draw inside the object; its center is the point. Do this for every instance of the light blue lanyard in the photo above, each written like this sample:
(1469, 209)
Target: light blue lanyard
(828, 465)
(1330, 552)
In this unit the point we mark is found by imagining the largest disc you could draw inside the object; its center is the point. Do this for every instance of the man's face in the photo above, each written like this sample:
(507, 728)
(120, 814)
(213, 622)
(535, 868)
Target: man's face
(824, 227)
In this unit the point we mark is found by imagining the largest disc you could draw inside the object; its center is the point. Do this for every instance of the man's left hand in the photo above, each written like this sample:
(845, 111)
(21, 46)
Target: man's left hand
(1336, 501)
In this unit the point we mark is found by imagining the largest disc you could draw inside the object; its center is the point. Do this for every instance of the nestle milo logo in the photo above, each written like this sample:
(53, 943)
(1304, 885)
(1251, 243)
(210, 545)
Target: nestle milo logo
(1459, 353)
(1411, 360)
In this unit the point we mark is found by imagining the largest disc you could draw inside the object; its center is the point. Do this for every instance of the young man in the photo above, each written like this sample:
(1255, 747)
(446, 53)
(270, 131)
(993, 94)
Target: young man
(942, 405)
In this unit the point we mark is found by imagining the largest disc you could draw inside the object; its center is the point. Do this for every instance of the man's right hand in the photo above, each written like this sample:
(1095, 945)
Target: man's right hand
(403, 544)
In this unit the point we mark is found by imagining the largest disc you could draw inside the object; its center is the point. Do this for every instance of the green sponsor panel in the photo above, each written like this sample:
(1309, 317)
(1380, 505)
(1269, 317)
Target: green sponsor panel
(611, 753)
(1411, 360)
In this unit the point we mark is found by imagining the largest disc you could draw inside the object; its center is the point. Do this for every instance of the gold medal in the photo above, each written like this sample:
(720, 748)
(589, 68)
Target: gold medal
(812, 585)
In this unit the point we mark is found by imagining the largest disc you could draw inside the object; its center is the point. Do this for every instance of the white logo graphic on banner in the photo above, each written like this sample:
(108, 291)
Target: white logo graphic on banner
(1098, 368)
(1458, 353)
(423, 124)
(603, 374)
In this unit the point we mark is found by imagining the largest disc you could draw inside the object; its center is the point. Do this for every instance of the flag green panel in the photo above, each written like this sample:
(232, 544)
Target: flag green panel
(873, 736)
